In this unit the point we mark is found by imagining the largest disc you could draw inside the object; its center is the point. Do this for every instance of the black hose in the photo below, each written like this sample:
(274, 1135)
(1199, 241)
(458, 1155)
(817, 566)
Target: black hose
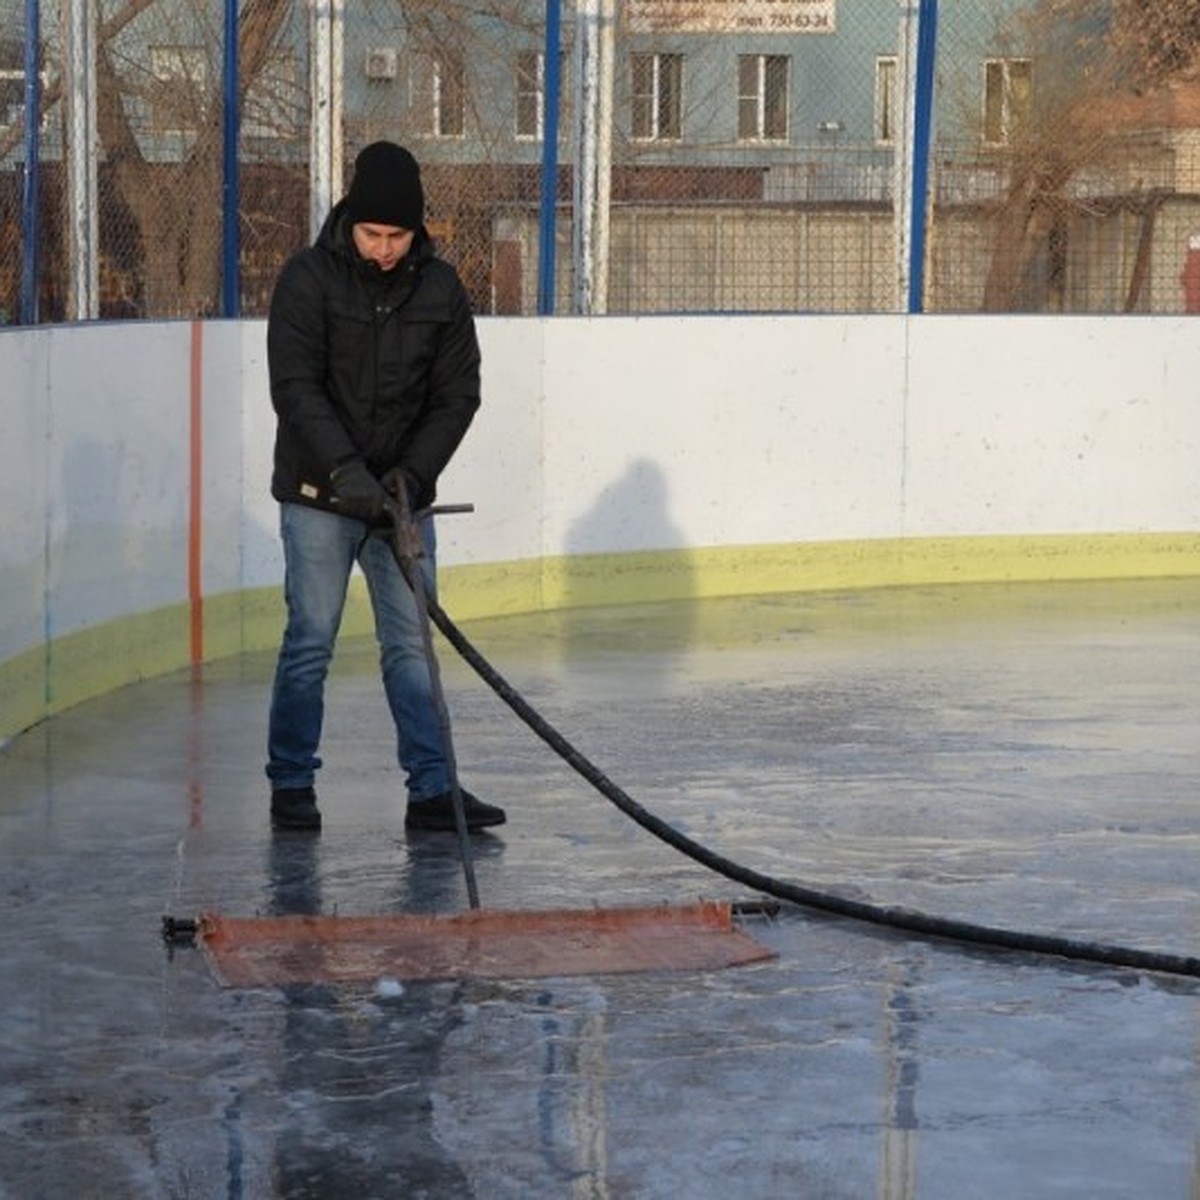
(807, 897)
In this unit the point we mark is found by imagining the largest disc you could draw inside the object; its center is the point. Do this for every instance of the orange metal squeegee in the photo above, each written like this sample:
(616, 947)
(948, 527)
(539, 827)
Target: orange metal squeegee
(480, 944)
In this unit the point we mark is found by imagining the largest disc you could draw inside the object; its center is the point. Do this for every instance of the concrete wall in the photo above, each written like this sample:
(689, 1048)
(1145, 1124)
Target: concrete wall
(784, 257)
(614, 460)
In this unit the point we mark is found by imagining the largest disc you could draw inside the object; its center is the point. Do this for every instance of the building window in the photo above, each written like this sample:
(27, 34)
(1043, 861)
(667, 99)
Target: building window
(531, 92)
(530, 78)
(887, 116)
(440, 95)
(762, 98)
(179, 89)
(1007, 99)
(656, 96)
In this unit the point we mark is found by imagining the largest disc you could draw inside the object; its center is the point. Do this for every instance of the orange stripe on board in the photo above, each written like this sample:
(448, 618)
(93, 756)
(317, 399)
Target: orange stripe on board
(195, 509)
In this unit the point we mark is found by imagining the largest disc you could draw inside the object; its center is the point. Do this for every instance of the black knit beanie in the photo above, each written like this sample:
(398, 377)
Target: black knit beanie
(386, 188)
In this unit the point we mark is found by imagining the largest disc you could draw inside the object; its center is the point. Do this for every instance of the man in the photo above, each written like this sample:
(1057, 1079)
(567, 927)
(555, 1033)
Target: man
(374, 369)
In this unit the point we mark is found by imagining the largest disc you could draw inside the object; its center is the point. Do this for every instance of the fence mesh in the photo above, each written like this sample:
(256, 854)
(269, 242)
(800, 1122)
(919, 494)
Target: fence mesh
(712, 155)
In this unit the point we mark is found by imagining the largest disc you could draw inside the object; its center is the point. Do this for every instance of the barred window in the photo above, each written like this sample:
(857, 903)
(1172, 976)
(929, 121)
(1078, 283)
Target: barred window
(656, 96)
(1007, 99)
(762, 98)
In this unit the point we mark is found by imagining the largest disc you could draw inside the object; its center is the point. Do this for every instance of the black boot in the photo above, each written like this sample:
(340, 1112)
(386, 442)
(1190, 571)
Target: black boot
(438, 813)
(295, 808)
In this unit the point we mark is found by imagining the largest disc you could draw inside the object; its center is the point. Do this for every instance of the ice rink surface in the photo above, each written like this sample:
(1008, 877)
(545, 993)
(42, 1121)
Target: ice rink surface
(1022, 756)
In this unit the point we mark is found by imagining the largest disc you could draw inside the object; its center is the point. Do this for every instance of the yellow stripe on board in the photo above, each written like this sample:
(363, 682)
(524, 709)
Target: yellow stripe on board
(603, 579)
(45, 680)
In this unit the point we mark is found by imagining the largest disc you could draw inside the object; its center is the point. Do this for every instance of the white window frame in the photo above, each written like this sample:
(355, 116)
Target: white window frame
(647, 108)
(431, 95)
(1007, 99)
(522, 79)
(756, 101)
(449, 118)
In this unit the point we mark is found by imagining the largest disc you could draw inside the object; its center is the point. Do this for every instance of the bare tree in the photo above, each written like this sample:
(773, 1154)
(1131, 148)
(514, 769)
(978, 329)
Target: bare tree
(176, 206)
(1100, 78)
(1159, 39)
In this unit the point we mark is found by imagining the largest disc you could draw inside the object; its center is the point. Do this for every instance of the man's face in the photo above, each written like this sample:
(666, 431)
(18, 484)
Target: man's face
(384, 245)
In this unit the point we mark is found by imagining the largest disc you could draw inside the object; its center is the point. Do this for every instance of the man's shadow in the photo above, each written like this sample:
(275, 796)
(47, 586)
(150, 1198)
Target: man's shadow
(644, 554)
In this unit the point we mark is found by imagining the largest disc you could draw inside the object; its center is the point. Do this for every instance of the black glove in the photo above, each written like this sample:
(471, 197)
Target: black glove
(398, 478)
(356, 492)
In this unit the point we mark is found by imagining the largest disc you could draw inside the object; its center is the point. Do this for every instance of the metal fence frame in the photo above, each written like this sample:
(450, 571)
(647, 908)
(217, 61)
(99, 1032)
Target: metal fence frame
(558, 235)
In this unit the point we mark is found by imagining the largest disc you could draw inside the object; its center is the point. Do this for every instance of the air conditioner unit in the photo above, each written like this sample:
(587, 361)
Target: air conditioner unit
(382, 62)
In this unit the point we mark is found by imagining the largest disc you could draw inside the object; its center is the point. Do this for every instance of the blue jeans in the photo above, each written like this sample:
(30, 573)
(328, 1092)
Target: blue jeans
(320, 549)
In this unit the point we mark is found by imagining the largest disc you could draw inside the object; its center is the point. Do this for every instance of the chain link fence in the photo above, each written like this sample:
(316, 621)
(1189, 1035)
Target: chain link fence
(711, 155)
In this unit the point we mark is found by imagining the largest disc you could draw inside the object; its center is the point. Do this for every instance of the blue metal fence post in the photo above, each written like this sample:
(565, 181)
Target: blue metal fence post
(31, 181)
(922, 142)
(231, 282)
(546, 218)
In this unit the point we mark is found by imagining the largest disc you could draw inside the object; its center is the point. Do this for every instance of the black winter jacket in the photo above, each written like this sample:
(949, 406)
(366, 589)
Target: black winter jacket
(382, 366)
